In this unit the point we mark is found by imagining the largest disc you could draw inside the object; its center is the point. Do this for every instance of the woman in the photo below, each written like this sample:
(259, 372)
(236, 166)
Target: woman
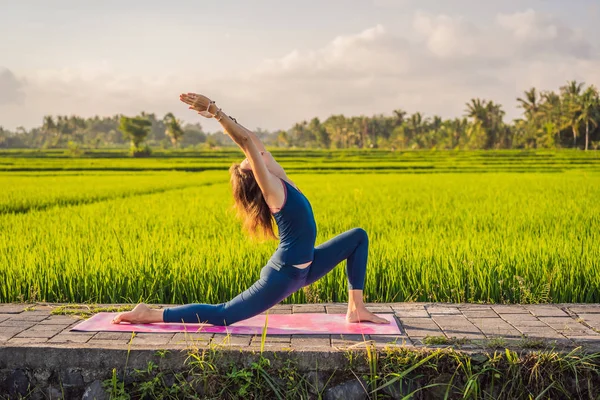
(262, 192)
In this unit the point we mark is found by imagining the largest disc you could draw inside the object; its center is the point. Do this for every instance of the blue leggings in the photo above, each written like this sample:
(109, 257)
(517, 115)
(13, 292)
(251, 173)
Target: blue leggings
(275, 285)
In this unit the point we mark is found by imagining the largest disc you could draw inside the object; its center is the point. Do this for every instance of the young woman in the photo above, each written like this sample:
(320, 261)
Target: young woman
(263, 192)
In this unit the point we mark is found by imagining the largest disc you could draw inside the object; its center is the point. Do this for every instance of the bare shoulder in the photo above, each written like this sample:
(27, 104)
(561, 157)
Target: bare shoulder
(275, 197)
(283, 175)
(273, 165)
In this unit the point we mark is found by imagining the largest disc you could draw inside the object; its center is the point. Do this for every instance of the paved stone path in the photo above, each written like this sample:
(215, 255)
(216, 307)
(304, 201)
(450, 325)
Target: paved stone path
(468, 326)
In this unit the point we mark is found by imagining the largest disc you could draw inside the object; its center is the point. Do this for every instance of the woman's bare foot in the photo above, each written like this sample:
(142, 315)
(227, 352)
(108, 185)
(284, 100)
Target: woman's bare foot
(364, 315)
(141, 314)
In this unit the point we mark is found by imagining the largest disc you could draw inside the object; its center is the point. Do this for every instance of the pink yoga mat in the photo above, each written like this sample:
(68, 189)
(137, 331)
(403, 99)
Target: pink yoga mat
(278, 324)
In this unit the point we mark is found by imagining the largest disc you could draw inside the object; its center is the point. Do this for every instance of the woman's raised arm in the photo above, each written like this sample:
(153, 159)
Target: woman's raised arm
(244, 138)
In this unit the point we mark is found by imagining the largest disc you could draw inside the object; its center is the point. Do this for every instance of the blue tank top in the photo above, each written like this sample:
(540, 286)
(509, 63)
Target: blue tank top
(297, 229)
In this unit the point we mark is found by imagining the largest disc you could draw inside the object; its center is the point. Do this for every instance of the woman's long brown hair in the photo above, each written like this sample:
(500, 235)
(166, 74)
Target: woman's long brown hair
(250, 204)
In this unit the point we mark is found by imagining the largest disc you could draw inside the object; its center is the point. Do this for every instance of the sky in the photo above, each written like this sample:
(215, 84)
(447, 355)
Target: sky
(271, 63)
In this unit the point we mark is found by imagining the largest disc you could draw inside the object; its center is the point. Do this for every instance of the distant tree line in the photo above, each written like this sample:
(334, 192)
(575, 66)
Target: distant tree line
(569, 118)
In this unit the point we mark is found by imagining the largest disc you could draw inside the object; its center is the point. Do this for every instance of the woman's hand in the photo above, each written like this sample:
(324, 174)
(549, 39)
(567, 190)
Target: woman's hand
(205, 106)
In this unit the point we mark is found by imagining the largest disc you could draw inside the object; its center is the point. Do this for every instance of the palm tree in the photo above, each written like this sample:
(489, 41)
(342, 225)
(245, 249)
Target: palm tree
(489, 115)
(319, 133)
(589, 107)
(173, 128)
(571, 93)
(476, 109)
(530, 104)
(399, 117)
(552, 112)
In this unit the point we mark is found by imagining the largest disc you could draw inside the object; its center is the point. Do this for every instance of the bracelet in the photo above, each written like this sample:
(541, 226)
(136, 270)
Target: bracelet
(207, 113)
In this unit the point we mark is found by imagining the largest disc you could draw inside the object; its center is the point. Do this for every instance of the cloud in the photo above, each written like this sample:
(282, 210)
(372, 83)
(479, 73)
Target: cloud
(447, 36)
(451, 61)
(447, 61)
(539, 33)
(11, 88)
(391, 3)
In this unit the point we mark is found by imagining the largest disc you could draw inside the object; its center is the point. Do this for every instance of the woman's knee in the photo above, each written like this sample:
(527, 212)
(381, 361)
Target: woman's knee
(361, 234)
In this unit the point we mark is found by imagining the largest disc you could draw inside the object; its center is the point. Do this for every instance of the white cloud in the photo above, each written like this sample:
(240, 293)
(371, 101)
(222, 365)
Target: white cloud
(11, 88)
(450, 61)
(447, 36)
(544, 33)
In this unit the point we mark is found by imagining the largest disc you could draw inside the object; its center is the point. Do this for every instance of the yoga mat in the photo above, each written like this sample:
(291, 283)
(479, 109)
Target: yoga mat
(278, 324)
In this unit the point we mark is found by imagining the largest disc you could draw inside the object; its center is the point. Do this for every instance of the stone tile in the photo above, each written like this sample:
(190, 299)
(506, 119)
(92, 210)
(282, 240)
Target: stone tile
(529, 325)
(42, 334)
(491, 323)
(379, 309)
(450, 320)
(10, 331)
(388, 339)
(472, 321)
(199, 338)
(546, 311)
(311, 341)
(458, 326)
(592, 320)
(308, 308)
(504, 333)
(547, 333)
(464, 334)
(79, 337)
(26, 340)
(495, 327)
(49, 327)
(60, 319)
(407, 306)
(12, 308)
(232, 340)
(44, 307)
(108, 343)
(474, 307)
(411, 312)
(336, 309)
(585, 309)
(279, 309)
(522, 319)
(582, 332)
(341, 341)
(272, 341)
(564, 324)
(441, 310)
(482, 313)
(28, 317)
(420, 327)
(16, 323)
(152, 339)
(36, 312)
(510, 309)
(272, 311)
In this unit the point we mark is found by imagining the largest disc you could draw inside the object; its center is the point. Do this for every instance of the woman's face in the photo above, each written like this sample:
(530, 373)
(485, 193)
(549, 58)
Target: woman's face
(245, 165)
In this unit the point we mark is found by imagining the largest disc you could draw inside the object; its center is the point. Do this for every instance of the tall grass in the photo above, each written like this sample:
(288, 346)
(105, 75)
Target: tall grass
(495, 237)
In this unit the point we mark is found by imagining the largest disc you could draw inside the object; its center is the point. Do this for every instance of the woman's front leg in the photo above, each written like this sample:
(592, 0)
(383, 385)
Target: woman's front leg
(357, 311)
(352, 246)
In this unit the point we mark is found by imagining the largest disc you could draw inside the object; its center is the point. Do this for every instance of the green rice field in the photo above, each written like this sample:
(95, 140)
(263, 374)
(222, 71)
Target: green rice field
(500, 227)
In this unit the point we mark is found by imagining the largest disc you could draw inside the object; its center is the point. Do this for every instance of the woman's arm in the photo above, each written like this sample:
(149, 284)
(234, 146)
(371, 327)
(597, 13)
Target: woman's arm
(254, 138)
(242, 137)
